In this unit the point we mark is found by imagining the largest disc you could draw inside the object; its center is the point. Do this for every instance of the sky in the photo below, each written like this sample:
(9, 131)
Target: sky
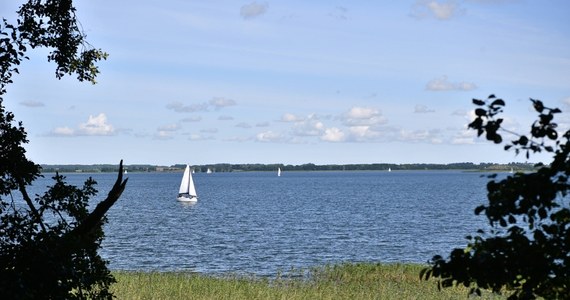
(294, 82)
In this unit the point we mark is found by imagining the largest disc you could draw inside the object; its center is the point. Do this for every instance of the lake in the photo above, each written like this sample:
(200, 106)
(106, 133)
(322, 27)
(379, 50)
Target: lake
(260, 224)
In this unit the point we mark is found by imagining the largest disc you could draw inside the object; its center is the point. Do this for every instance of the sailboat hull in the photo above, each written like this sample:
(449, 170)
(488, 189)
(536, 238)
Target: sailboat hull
(187, 199)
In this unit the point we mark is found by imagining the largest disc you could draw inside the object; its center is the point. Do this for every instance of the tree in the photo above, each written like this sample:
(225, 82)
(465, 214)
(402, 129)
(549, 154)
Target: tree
(48, 244)
(526, 251)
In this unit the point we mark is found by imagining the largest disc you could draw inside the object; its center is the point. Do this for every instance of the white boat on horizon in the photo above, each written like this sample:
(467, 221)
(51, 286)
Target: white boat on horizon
(278, 172)
(187, 191)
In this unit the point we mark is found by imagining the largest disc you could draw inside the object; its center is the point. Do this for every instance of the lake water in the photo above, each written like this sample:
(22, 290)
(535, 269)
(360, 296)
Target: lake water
(258, 223)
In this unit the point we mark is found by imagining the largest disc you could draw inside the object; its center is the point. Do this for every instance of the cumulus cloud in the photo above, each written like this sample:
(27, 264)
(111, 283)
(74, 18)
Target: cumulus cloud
(443, 84)
(333, 135)
(358, 116)
(32, 103)
(311, 126)
(433, 9)
(422, 109)
(287, 117)
(63, 131)
(269, 136)
(95, 126)
(253, 10)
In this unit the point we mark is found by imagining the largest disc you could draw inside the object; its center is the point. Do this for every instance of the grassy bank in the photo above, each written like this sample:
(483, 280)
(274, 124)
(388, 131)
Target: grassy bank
(349, 281)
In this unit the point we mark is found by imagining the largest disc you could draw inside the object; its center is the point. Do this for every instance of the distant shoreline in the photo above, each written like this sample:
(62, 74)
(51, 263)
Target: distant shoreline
(223, 167)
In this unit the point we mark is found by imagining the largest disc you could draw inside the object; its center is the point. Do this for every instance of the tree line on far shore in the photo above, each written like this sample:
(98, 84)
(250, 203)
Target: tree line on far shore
(225, 167)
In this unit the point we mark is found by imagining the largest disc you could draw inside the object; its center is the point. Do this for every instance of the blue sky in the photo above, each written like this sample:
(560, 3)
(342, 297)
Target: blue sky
(325, 82)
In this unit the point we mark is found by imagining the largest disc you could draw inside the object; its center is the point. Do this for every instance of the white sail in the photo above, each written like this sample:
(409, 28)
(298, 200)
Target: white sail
(278, 171)
(187, 191)
(209, 171)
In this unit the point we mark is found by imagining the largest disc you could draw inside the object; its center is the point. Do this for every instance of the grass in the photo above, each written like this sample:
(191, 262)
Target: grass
(346, 281)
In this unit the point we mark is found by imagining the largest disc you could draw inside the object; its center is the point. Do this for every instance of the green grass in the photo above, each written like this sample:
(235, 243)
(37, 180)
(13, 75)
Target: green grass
(347, 281)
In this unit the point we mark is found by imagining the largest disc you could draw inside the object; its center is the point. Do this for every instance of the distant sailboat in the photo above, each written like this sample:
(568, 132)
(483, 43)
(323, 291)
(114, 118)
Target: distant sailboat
(389, 169)
(512, 171)
(187, 192)
(278, 171)
(125, 172)
(209, 171)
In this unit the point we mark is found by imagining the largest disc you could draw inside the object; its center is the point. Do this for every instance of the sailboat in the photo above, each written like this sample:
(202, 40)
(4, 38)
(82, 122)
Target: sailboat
(187, 192)
(209, 171)
(278, 171)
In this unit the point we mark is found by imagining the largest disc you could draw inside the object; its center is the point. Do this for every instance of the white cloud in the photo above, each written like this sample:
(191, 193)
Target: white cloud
(199, 137)
(358, 116)
(364, 133)
(465, 137)
(192, 119)
(219, 102)
(309, 127)
(96, 126)
(422, 109)
(169, 127)
(252, 10)
(422, 135)
(32, 103)
(163, 135)
(180, 107)
(566, 101)
(225, 118)
(333, 135)
(63, 131)
(439, 10)
(239, 139)
(209, 130)
(442, 84)
(262, 124)
(287, 117)
(269, 136)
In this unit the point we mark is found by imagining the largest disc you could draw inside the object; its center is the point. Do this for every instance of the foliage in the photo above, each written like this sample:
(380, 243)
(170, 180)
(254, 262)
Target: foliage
(48, 245)
(527, 249)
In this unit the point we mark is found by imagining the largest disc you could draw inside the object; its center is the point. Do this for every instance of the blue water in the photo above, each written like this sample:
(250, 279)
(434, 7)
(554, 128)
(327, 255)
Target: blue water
(258, 223)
